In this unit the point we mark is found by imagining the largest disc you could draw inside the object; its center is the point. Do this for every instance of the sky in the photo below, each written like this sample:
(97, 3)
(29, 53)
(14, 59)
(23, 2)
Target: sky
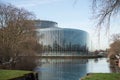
(75, 14)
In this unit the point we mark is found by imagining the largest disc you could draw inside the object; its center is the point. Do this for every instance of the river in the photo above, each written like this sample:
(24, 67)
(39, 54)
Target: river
(70, 69)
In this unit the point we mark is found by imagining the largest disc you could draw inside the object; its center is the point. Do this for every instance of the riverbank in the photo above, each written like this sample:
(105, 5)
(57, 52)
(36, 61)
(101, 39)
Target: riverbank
(16, 75)
(102, 76)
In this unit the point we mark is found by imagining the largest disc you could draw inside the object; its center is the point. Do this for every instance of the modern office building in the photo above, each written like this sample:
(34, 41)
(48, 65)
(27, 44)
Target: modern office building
(61, 39)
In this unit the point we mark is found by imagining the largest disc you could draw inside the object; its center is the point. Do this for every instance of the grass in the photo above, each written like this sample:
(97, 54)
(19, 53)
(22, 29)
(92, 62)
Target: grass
(102, 76)
(9, 74)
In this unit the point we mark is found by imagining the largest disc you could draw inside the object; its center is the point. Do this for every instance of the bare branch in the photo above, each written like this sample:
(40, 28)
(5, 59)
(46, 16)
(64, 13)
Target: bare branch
(105, 9)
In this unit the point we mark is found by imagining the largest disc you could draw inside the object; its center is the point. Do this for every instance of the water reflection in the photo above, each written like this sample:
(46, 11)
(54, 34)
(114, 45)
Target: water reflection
(99, 66)
(70, 69)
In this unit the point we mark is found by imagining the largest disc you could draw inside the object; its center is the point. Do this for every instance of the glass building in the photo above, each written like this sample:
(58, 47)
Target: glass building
(54, 38)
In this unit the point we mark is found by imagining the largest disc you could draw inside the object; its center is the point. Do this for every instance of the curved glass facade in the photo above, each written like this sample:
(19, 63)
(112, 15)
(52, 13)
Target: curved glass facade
(64, 39)
(45, 24)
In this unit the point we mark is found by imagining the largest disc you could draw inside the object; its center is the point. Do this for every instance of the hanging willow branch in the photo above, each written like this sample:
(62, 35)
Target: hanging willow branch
(104, 10)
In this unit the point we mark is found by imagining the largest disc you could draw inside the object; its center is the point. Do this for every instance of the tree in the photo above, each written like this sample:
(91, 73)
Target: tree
(115, 45)
(115, 37)
(104, 10)
(114, 51)
(17, 33)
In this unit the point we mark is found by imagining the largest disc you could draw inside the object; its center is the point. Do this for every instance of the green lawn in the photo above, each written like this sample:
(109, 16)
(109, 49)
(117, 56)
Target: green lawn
(102, 76)
(8, 74)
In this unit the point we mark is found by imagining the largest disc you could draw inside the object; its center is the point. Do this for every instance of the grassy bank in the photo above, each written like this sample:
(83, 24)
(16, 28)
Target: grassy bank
(9, 74)
(102, 76)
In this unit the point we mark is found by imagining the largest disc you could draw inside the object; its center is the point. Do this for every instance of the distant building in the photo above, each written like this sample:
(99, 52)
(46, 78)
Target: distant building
(64, 39)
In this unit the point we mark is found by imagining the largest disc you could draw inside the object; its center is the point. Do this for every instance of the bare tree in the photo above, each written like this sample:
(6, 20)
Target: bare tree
(104, 10)
(115, 45)
(115, 37)
(17, 33)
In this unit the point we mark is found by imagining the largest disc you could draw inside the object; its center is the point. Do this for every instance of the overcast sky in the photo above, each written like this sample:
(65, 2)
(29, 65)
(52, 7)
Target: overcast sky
(68, 14)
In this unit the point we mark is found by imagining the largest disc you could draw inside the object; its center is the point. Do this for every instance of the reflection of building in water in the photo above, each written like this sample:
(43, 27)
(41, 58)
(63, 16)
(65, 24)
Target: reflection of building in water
(63, 69)
(64, 61)
(61, 39)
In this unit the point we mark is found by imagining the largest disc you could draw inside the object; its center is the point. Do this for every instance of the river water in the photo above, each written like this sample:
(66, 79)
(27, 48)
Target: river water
(70, 69)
